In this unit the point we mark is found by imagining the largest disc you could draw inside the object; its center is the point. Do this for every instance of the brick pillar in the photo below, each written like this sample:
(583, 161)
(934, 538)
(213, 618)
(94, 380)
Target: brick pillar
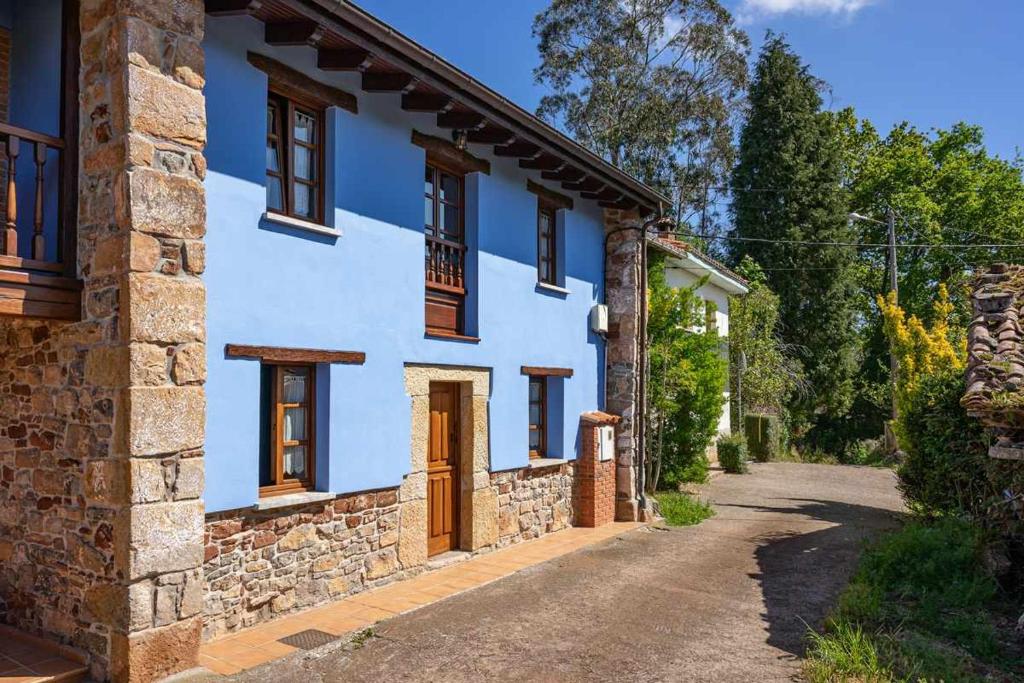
(594, 497)
(142, 218)
(622, 277)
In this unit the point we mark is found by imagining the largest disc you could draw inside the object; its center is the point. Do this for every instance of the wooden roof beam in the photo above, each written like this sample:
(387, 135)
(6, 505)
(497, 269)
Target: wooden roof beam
(568, 174)
(491, 136)
(588, 184)
(608, 194)
(230, 8)
(430, 103)
(461, 120)
(526, 150)
(343, 60)
(293, 33)
(388, 82)
(624, 204)
(543, 162)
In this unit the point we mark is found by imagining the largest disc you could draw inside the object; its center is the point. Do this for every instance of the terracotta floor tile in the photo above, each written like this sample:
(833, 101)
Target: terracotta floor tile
(339, 627)
(372, 614)
(225, 650)
(218, 666)
(55, 667)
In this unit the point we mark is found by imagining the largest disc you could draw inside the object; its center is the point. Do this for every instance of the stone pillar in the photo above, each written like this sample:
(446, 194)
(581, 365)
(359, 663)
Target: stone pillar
(622, 289)
(142, 218)
(594, 494)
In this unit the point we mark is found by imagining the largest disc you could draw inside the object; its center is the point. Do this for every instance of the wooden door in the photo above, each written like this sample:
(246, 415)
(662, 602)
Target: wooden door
(443, 469)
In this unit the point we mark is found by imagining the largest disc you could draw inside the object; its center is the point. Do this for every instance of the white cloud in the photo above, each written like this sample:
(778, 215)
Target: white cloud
(752, 9)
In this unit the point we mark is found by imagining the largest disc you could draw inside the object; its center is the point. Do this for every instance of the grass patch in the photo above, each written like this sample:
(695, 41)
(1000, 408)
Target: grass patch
(680, 509)
(921, 607)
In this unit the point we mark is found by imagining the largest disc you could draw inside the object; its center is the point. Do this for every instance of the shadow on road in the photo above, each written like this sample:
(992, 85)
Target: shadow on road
(802, 573)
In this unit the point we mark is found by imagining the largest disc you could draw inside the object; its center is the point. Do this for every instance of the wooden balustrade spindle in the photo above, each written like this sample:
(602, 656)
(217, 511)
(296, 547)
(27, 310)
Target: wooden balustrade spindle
(38, 240)
(11, 229)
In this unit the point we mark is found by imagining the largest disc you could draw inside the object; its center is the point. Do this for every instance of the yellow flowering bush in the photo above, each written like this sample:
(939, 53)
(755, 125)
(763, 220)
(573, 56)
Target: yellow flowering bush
(919, 349)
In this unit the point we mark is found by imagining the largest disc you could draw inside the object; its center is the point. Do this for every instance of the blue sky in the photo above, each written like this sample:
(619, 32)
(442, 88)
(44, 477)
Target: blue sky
(931, 62)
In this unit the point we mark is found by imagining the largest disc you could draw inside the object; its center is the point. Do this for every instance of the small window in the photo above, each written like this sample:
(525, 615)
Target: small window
(295, 133)
(538, 417)
(547, 271)
(287, 458)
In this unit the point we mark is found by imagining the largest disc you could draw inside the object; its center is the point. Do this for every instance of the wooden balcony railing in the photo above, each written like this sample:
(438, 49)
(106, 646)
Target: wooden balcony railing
(446, 265)
(37, 279)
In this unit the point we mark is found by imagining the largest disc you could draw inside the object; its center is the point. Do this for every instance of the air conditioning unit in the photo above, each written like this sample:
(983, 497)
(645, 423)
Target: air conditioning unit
(599, 319)
(605, 443)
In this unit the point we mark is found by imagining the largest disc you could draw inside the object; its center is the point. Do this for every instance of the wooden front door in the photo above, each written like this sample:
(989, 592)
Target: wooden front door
(443, 469)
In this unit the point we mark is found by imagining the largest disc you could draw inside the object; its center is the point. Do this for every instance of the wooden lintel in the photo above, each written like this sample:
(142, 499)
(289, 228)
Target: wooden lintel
(388, 82)
(228, 8)
(276, 354)
(545, 372)
(461, 120)
(426, 102)
(555, 199)
(293, 33)
(343, 60)
(448, 154)
(288, 79)
(526, 150)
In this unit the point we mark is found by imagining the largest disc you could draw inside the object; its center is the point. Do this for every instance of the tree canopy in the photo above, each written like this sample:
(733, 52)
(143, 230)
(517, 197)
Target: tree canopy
(651, 85)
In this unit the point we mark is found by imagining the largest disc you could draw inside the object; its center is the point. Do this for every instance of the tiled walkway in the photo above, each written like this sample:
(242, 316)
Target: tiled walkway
(261, 644)
(25, 660)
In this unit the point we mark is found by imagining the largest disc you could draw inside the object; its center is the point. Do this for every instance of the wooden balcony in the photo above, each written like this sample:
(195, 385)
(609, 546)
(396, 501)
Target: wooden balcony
(37, 250)
(446, 285)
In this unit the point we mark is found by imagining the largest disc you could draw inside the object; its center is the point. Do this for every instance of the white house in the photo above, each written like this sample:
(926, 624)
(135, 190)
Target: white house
(687, 266)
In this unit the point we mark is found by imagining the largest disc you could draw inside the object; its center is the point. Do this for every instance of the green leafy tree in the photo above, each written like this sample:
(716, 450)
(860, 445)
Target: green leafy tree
(687, 372)
(786, 186)
(945, 189)
(772, 375)
(651, 85)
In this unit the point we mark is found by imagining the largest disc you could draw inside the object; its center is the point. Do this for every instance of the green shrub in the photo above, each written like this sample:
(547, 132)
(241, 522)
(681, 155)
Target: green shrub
(732, 453)
(920, 607)
(679, 509)
(946, 467)
(764, 436)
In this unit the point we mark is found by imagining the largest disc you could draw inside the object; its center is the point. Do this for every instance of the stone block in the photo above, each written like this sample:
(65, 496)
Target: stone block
(147, 365)
(156, 653)
(166, 204)
(165, 309)
(485, 518)
(148, 481)
(107, 366)
(382, 563)
(106, 482)
(300, 537)
(412, 537)
(164, 109)
(190, 479)
(165, 537)
(189, 364)
(165, 419)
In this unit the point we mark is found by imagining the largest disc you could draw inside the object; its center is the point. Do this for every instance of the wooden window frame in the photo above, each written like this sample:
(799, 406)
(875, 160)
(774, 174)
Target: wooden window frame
(288, 102)
(438, 169)
(551, 211)
(282, 486)
(542, 442)
(438, 293)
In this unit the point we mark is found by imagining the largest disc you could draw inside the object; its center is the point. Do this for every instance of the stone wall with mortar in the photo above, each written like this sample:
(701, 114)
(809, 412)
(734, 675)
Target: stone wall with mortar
(622, 282)
(263, 564)
(533, 502)
(101, 430)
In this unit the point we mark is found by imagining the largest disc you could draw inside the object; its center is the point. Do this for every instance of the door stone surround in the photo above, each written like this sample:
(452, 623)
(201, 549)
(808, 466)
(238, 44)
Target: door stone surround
(477, 498)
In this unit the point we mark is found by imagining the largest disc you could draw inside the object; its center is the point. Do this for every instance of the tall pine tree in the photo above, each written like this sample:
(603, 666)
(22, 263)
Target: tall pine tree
(786, 186)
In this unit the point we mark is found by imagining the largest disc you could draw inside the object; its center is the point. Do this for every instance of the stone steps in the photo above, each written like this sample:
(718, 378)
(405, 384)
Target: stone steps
(27, 659)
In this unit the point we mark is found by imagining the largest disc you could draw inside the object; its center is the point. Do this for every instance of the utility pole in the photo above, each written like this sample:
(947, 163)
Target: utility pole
(890, 219)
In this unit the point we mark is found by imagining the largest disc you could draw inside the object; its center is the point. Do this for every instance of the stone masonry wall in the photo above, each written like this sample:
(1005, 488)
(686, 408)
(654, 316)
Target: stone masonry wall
(533, 502)
(622, 278)
(260, 565)
(101, 426)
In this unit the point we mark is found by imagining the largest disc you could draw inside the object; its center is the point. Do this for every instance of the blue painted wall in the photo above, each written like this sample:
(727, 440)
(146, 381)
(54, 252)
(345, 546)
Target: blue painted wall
(364, 291)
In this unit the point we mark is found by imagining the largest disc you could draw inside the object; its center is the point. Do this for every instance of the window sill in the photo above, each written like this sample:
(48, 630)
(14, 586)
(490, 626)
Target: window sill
(289, 499)
(538, 463)
(545, 288)
(451, 336)
(308, 226)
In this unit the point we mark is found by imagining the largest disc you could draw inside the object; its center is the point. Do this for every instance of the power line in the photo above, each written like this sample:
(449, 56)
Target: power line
(858, 245)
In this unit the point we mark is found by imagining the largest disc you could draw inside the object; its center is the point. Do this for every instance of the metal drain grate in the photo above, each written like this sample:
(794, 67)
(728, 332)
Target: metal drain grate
(309, 639)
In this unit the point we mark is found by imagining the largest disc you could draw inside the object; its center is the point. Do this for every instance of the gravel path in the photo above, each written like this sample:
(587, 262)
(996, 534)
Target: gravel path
(728, 600)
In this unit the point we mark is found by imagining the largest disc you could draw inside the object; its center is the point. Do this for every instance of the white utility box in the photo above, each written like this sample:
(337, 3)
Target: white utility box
(605, 443)
(599, 319)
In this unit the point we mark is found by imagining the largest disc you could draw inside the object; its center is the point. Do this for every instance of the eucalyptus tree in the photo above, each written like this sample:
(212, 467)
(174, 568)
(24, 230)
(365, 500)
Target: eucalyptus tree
(653, 86)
